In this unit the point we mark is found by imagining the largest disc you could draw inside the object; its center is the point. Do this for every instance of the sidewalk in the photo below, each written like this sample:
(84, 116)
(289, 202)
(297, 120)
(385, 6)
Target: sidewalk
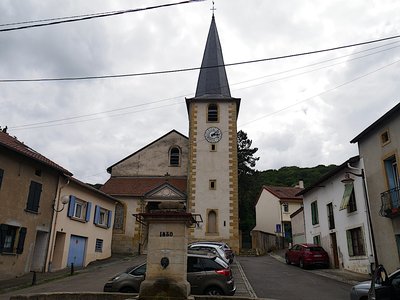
(341, 275)
(27, 280)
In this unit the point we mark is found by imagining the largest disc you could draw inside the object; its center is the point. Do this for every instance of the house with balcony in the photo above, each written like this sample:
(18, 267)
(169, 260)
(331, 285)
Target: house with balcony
(336, 217)
(379, 147)
(273, 208)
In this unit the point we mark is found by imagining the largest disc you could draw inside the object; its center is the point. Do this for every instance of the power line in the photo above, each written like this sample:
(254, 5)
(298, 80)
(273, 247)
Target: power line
(198, 68)
(40, 124)
(322, 93)
(61, 20)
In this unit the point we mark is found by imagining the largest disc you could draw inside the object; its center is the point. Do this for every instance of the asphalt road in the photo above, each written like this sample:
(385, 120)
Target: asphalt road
(273, 279)
(92, 280)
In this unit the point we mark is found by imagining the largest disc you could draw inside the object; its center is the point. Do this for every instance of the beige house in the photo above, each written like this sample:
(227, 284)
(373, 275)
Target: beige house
(273, 209)
(28, 187)
(82, 225)
(379, 147)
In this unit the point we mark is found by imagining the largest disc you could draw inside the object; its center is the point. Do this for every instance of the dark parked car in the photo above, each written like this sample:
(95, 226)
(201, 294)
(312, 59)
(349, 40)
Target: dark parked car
(385, 288)
(306, 255)
(207, 275)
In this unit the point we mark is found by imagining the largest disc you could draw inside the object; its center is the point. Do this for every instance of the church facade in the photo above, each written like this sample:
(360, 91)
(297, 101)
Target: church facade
(200, 171)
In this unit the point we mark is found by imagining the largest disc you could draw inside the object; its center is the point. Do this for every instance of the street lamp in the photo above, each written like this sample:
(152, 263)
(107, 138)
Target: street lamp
(348, 180)
(64, 200)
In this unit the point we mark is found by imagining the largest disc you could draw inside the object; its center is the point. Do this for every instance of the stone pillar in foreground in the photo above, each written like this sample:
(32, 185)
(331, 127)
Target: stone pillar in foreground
(166, 274)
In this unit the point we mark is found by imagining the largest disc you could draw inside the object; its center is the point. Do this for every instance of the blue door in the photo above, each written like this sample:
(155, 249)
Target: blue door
(76, 252)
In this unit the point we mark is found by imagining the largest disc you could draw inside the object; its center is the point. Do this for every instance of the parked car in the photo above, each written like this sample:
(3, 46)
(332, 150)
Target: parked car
(306, 255)
(206, 246)
(207, 275)
(390, 287)
(228, 251)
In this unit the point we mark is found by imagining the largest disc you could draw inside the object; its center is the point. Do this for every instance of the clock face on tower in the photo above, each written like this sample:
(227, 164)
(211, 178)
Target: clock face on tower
(213, 134)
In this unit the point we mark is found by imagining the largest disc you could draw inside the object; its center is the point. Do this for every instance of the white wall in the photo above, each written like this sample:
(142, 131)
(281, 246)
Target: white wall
(268, 212)
(332, 191)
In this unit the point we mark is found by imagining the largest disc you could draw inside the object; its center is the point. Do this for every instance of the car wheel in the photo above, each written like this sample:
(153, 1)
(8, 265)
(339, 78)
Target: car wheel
(301, 263)
(213, 291)
(127, 289)
(287, 260)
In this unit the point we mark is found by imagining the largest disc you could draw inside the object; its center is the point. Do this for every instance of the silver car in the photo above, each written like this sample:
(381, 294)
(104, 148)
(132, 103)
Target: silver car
(391, 286)
(207, 275)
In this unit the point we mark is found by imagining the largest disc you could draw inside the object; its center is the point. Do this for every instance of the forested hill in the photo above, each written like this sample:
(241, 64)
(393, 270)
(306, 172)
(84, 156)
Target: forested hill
(290, 176)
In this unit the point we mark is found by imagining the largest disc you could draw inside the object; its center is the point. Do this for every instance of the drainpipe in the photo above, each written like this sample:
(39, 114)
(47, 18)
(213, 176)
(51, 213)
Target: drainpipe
(53, 226)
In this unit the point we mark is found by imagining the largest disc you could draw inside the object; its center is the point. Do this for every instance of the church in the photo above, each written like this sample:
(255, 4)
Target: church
(200, 171)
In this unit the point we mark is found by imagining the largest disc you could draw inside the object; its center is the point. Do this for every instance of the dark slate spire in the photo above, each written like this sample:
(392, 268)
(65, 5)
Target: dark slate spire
(212, 82)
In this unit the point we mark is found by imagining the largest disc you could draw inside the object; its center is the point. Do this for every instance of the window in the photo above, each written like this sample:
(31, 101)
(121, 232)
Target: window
(8, 237)
(1, 176)
(102, 217)
(317, 240)
(79, 209)
(38, 172)
(331, 218)
(99, 245)
(285, 207)
(174, 157)
(35, 190)
(385, 139)
(213, 184)
(314, 213)
(212, 222)
(355, 242)
(212, 115)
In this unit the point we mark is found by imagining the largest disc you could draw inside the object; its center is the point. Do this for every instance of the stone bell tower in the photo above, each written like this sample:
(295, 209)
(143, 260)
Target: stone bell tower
(213, 165)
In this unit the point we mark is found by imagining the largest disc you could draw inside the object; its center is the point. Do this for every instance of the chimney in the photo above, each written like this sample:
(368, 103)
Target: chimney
(300, 184)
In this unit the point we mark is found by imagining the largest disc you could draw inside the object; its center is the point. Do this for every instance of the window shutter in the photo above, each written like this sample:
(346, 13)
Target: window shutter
(88, 208)
(1, 176)
(3, 233)
(109, 219)
(71, 206)
(35, 190)
(29, 204)
(349, 243)
(36, 197)
(21, 240)
(97, 214)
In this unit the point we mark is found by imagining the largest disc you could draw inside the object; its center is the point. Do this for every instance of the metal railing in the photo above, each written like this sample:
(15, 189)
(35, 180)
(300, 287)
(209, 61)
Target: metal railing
(390, 203)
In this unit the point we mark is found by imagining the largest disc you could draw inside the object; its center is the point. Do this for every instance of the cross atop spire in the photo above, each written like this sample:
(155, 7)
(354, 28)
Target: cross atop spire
(213, 8)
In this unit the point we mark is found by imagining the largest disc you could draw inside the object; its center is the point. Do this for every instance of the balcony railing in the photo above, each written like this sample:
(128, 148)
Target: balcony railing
(390, 203)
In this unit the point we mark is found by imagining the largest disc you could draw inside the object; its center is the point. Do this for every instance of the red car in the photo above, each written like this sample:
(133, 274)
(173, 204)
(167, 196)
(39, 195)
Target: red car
(306, 255)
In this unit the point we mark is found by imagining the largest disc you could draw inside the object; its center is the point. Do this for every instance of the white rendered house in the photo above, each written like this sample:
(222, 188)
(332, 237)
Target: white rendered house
(336, 217)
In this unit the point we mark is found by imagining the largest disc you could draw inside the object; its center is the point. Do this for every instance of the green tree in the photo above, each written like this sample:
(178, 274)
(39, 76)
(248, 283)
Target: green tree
(246, 164)
(246, 160)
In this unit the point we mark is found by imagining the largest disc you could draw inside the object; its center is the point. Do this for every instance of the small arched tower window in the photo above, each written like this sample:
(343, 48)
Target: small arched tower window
(212, 113)
(174, 156)
(212, 222)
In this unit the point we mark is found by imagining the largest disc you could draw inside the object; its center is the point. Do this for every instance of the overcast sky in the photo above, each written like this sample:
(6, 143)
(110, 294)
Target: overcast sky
(299, 111)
